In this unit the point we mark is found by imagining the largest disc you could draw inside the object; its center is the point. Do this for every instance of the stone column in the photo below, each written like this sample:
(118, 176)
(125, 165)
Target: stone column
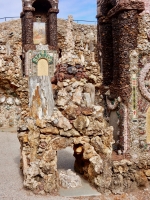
(105, 41)
(28, 25)
(124, 18)
(22, 16)
(125, 32)
(105, 48)
(52, 27)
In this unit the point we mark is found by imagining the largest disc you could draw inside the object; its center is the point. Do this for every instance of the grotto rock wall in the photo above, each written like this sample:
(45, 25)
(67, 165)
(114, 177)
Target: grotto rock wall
(77, 122)
(77, 79)
(122, 95)
(129, 103)
(14, 85)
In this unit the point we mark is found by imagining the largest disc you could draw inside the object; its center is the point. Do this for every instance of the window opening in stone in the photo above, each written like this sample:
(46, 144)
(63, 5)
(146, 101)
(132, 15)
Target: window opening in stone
(65, 159)
(69, 160)
(65, 165)
(40, 21)
(42, 67)
(41, 6)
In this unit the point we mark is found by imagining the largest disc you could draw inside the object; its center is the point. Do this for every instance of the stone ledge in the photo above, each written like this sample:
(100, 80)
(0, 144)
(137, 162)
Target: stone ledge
(126, 6)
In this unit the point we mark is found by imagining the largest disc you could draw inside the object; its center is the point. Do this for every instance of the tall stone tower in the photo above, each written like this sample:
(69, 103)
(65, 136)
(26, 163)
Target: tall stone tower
(118, 45)
(39, 37)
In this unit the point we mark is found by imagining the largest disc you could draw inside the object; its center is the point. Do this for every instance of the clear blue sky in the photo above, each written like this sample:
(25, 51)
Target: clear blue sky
(80, 9)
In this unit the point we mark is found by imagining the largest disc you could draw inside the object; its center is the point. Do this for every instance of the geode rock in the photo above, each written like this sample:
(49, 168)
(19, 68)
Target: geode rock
(90, 88)
(141, 179)
(77, 95)
(95, 127)
(72, 70)
(10, 101)
(17, 102)
(69, 179)
(89, 151)
(50, 130)
(63, 98)
(81, 123)
(72, 111)
(1, 123)
(2, 99)
(70, 133)
(64, 123)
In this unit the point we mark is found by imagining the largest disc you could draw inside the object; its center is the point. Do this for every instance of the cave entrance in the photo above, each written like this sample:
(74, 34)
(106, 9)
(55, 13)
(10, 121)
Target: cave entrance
(65, 159)
(65, 162)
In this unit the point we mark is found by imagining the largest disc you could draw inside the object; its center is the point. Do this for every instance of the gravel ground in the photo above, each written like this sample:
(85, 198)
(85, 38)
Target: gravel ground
(11, 182)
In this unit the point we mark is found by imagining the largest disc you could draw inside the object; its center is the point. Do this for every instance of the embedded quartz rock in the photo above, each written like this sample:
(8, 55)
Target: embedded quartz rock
(10, 101)
(2, 99)
(81, 123)
(70, 133)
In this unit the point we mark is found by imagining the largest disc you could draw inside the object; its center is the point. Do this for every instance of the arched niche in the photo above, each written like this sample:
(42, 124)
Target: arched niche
(41, 6)
(42, 67)
(40, 21)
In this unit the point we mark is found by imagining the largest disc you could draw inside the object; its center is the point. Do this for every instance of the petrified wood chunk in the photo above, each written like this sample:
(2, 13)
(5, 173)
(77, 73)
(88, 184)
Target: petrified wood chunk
(41, 100)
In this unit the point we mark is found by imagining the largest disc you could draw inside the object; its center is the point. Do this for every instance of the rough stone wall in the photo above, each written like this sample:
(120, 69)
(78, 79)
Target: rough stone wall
(77, 118)
(141, 69)
(77, 122)
(133, 116)
(14, 85)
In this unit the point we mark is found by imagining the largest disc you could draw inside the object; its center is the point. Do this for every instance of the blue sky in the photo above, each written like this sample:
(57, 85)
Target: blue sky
(80, 9)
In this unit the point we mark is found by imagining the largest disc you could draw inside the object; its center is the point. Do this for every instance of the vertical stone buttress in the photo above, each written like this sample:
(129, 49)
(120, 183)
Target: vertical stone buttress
(105, 42)
(117, 36)
(125, 32)
(27, 25)
(52, 30)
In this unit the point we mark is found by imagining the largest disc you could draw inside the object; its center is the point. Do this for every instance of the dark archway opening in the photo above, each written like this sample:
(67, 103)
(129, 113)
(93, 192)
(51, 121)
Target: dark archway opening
(42, 6)
(66, 161)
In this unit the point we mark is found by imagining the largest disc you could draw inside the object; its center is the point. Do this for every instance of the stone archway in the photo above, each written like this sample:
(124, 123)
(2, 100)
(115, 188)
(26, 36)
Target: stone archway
(42, 67)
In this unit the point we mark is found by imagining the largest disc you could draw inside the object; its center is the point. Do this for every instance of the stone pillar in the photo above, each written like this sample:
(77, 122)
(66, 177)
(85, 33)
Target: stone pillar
(105, 41)
(52, 27)
(28, 23)
(22, 16)
(125, 32)
(105, 48)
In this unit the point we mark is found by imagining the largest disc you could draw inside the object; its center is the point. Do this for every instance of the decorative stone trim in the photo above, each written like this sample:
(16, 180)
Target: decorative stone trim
(52, 10)
(142, 77)
(41, 47)
(28, 9)
(128, 5)
(125, 131)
